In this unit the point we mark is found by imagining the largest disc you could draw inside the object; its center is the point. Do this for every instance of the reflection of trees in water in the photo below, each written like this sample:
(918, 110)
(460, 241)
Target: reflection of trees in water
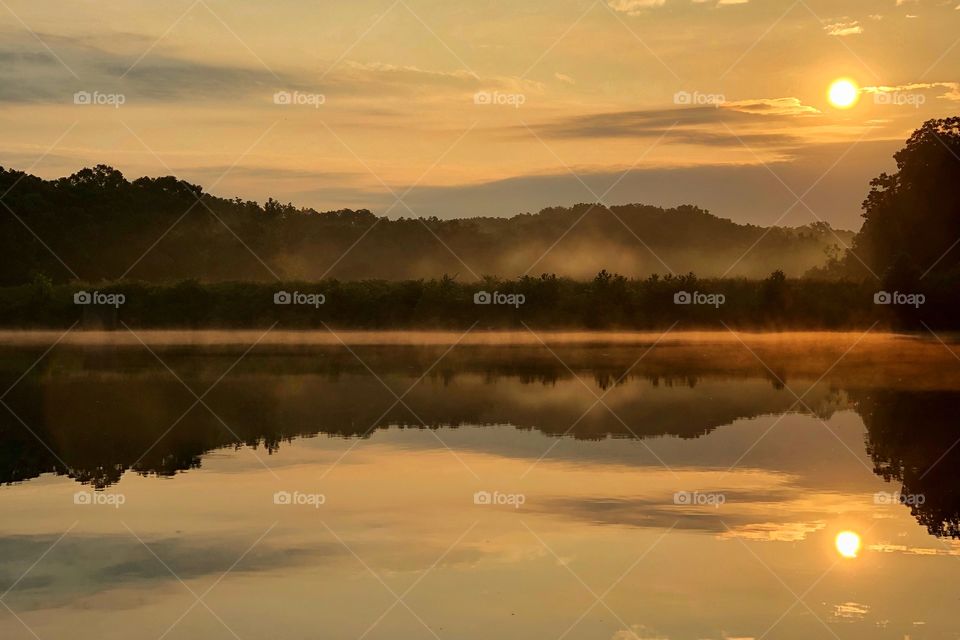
(912, 439)
(98, 423)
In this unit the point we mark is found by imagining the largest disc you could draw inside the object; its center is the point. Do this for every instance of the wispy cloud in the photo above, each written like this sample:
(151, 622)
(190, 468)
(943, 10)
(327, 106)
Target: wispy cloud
(847, 28)
(638, 7)
(914, 551)
(28, 74)
(692, 125)
(634, 7)
(773, 106)
(774, 531)
(952, 93)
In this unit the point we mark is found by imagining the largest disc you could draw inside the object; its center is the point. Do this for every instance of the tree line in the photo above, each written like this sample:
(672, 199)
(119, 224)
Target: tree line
(96, 225)
(212, 263)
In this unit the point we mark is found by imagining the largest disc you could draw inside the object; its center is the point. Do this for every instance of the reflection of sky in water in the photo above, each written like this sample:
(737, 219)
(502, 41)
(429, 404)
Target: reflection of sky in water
(599, 548)
(400, 500)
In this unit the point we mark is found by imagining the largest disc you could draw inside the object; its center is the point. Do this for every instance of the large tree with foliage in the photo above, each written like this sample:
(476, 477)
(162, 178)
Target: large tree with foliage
(912, 217)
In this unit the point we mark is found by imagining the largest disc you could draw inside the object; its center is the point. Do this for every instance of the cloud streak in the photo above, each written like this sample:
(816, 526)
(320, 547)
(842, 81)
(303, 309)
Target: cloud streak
(952, 93)
(31, 75)
(700, 125)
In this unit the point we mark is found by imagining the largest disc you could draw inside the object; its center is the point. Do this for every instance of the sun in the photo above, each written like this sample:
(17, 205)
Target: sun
(848, 544)
(843, 93)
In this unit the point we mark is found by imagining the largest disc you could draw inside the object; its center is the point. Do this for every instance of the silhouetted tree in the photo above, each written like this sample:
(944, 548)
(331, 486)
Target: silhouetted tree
(913, 216)
(912, 439)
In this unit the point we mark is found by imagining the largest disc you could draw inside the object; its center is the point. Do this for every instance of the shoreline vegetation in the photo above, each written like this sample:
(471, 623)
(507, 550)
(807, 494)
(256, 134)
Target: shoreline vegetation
(608, 302)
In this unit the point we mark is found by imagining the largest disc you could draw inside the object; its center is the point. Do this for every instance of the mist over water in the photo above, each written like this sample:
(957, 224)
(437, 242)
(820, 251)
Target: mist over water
(783, 339)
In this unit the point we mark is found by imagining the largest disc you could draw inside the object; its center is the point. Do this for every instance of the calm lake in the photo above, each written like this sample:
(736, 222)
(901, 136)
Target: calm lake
(559, 486)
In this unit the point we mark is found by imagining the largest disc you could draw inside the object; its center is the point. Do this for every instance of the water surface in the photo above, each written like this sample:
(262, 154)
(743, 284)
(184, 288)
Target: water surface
(687, 488)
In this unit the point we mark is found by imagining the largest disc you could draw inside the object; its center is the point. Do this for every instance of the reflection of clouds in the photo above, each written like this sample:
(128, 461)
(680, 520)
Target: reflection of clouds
(83, 566)
(850, 611)
(775, 510)
(399, 510)
(652, 512)
(507, 550)
(638, 632)
(393, 559)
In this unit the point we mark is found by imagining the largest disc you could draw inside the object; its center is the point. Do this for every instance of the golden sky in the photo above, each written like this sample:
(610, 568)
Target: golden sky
(482, 108)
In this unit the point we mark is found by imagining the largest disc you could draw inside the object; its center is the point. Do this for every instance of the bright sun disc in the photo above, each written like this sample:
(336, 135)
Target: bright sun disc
(843, 93)
(848, 544)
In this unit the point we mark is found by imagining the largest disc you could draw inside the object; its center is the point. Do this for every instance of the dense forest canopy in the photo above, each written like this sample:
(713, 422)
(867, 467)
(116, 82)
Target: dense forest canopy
(96, 225)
